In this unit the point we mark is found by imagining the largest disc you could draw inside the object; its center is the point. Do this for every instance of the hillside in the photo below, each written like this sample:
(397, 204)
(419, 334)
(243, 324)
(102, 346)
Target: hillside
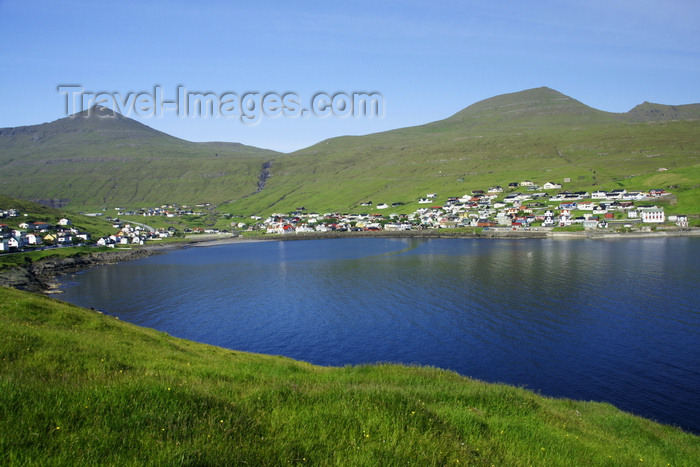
(81, 388)
(31, 212)
(99, 158)
(538, 134)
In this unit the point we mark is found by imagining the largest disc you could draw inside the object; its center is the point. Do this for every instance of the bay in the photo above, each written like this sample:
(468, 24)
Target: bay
(615, 321)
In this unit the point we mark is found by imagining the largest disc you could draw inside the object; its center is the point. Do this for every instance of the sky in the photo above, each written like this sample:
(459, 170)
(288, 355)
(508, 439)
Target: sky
(421, 60)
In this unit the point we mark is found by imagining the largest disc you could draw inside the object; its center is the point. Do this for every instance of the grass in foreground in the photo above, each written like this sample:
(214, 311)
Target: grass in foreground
(81, 388)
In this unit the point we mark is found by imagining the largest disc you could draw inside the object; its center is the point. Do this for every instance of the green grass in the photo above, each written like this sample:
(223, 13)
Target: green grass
(569, 228)
(81, 388)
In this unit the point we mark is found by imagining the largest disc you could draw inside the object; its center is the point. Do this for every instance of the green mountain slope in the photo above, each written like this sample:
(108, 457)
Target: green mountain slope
(538, 134)
(81, 388)
(102, 158)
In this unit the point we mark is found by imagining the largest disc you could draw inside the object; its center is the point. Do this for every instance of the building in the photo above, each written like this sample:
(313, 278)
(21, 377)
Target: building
(652, 215)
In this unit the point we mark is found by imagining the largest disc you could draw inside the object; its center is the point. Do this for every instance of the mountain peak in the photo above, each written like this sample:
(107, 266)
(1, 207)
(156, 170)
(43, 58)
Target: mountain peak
(541, 104)
(97, 111)
(650, 112)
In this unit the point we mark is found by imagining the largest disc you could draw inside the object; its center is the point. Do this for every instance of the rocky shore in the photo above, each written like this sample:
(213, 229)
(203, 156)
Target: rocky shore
(42, 276)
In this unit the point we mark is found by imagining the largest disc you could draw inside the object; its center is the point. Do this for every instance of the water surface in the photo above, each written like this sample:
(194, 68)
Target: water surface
(614, 321)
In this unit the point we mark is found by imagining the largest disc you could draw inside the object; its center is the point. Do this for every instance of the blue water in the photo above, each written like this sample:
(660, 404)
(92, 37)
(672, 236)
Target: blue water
(615, 321)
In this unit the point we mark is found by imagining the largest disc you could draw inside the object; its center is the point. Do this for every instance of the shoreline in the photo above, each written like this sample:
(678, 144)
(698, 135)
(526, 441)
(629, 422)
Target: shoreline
(447, 233)
(43, 276)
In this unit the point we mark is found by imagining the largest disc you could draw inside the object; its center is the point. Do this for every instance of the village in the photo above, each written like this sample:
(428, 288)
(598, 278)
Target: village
(530, 208)
(41, 234)
(521, 206)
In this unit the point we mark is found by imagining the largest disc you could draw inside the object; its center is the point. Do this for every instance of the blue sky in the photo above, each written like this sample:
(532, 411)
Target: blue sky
(428, 60)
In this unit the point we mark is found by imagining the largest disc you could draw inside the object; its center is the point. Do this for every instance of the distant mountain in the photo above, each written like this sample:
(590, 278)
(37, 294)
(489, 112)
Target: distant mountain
(99, 157)
(540, 106)
(648, 112)
(539, 134)
(81, 132)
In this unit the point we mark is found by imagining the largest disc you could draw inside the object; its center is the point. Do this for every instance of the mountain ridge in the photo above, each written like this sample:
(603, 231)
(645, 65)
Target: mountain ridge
(104, 122)
(115, 160)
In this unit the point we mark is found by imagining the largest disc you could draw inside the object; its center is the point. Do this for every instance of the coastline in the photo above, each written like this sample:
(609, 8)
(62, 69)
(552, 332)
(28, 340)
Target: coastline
(447, 233)
(43, 276)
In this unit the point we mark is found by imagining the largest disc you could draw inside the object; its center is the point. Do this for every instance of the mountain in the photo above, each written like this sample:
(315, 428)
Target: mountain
(528, 108)
(538, 134)
(648, 112)
(99, 157)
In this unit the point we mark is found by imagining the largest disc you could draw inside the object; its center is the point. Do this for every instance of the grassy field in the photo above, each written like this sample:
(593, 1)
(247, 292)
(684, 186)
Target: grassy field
(81, 388)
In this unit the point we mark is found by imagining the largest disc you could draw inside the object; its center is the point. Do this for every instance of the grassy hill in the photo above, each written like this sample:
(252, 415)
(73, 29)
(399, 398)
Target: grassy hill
(538, 134)
(100, 158)
(81, 388)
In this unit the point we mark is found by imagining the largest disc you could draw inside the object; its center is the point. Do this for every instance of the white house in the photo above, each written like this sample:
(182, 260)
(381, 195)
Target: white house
(565, 217)
(548, 220)
(652, 215)
(32, 239)
(12, 243)
(503, 219)
(590, 224)
(599, 195)
(382, 206)
(551, 186)
(64, 222)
